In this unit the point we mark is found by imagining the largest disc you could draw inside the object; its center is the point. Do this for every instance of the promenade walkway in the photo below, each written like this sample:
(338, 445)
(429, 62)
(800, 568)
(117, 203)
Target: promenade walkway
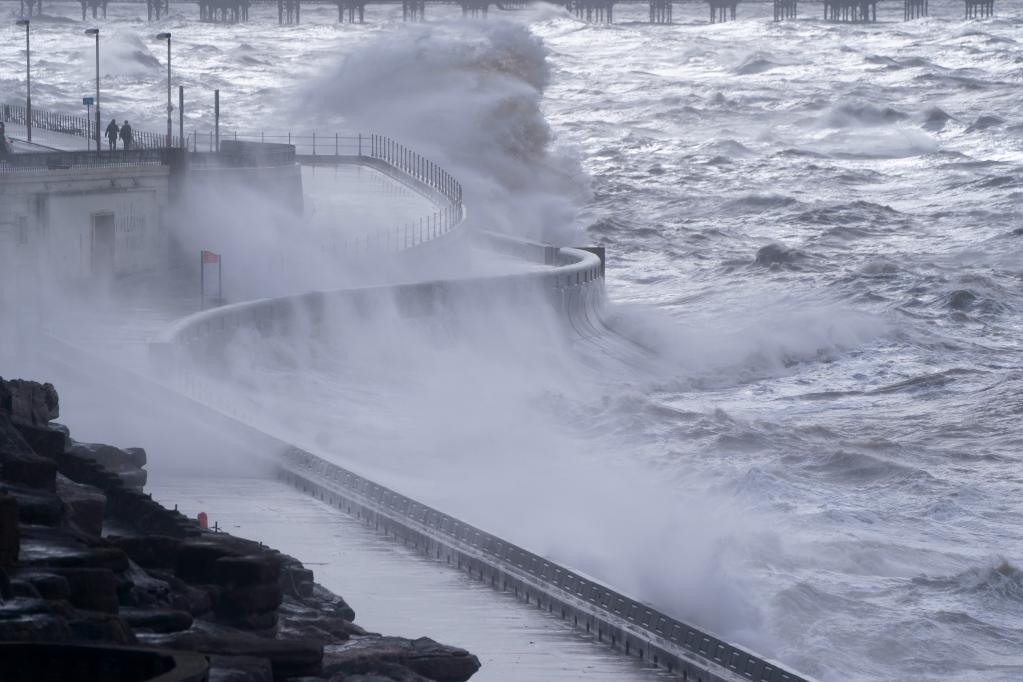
(394, 590)
(47, 140)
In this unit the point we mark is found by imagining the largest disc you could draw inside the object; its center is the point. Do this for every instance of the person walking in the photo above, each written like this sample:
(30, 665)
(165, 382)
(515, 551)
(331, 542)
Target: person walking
(112, 131)
(126, 135)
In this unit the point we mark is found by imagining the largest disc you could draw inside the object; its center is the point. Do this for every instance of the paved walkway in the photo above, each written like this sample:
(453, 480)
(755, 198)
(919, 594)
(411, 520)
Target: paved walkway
(396, 591)
(46, 140)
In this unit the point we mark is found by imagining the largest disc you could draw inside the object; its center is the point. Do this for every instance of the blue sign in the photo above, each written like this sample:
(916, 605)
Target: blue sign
(87, 101)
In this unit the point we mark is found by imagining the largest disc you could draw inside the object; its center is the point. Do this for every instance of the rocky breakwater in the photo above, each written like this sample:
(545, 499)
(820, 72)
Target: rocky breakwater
(87, 557)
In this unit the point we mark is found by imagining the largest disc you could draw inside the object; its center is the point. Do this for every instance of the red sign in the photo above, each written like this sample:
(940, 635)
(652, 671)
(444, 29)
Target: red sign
(210, 257)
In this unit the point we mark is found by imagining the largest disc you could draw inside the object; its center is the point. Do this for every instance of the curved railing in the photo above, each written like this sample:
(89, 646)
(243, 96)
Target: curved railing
(379, 152)
(80, 126)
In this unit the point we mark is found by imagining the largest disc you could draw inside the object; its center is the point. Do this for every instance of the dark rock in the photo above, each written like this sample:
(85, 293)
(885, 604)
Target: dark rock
(6, 592)
(240, 669)
(262, 622)
(252, 599)
(288, 658)
(19, 464)
(38, 507)
(126, 464)
(48, 585)
(48, 441)
(93, 626)
(183, 596)
(150, 551)
(43, 554)
(34, 628)
(196, 560)
(24, 590)
(232, 571)
(28, 402)
(145, 590)
(301, 621)
(84, 505)
(424, 656)
(386, 673)
(156, 620)
(10, 534)
(329, 603)
(94, 589)
(297, 581)
(114, 459)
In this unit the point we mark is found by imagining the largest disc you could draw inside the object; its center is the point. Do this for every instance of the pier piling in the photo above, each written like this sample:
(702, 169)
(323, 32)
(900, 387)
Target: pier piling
(353, 10)
(593, 11)
(661, 11)
(980, 9)
(787, 9)
(722, 10)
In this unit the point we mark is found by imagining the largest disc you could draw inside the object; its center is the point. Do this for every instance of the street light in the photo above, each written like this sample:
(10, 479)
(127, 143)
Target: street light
(28, 77)
(170, 108)
(95, 32)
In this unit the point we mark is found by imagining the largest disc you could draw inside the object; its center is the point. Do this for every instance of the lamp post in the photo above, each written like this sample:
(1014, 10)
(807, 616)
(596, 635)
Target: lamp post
(95, 32)
(28, 77)
(170, 107)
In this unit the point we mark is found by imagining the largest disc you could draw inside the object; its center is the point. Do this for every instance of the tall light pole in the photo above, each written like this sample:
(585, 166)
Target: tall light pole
(170, 108)
(95, 32)
(28, 77)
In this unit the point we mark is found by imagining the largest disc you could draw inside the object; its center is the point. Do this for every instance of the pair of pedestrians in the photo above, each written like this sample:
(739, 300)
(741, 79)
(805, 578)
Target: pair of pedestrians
(124, 133)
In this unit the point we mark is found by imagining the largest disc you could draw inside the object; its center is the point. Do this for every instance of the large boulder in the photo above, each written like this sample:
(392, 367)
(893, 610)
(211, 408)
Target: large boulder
(288, 658)
(240, 669)
(424, 656)
(19, 464)
(37, 507)
(196, 560)
(28, 402)
(153, 620)
(84, 505)
(150, 551)
(10, 534)
(93, 589)
(125, 463)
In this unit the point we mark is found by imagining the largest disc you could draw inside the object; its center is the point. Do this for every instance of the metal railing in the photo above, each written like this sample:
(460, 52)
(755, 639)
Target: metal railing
(377, 151)
(80, 126)
(50, 161)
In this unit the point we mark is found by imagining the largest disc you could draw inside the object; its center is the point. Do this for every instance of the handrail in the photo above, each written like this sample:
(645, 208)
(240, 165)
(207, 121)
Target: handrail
(49, 161)
(379, 152)
(79, 126)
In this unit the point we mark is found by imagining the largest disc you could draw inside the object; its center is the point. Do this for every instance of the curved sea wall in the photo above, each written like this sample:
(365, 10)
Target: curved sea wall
(572, 281)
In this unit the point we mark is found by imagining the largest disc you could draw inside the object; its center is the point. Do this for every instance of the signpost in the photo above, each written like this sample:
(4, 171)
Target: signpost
(88, 102)
(209, 258)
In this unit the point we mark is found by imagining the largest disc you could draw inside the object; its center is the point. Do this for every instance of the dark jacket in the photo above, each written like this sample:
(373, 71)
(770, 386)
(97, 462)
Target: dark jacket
(126, 133)
(112, 130)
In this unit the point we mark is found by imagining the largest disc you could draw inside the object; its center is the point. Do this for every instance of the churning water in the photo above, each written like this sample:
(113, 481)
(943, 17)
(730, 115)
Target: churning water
(813, 230)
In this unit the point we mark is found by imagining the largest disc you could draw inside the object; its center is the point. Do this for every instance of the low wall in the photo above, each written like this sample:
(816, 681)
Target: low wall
(574, 287)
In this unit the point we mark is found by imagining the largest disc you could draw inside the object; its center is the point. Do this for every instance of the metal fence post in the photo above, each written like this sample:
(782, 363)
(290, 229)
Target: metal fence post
(360, 144)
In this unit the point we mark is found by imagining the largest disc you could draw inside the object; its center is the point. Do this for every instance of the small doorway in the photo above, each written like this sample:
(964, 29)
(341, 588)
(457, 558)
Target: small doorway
(102, 243)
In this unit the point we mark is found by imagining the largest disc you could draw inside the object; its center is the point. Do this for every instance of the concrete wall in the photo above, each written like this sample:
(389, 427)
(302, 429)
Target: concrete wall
(47, 219)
